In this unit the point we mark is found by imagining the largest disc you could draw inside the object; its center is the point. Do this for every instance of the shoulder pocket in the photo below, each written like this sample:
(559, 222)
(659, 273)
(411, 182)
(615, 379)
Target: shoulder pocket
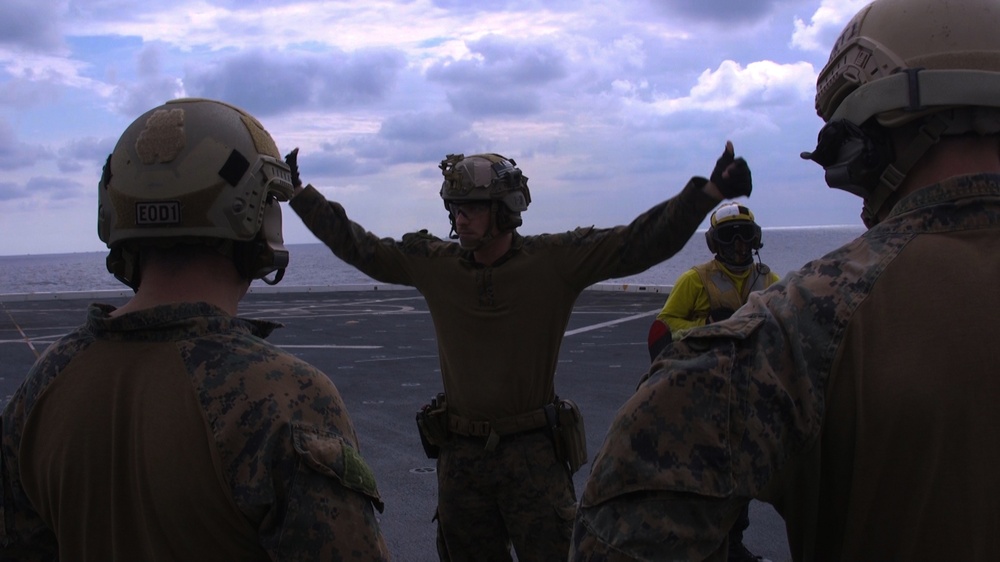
(329, 454)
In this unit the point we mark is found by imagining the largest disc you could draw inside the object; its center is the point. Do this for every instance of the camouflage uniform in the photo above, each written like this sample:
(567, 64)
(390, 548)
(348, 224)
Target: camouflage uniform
(707, 293)
(177, 433)
(499, 329)
(858, 395)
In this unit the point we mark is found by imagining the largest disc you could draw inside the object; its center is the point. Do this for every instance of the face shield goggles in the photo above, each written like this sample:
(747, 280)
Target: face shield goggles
(728, 234)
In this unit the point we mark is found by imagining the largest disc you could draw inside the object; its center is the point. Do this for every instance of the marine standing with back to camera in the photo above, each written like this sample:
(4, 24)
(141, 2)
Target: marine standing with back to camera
(500, 303)
(168, 429)
(858, 395)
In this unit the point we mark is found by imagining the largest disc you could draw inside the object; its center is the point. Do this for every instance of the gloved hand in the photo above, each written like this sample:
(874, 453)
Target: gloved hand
(719, 314)
(732, 175)
(292, 159)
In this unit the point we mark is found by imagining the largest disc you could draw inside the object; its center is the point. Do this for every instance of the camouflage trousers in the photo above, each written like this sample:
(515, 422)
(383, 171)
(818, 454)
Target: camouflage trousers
(516, 495)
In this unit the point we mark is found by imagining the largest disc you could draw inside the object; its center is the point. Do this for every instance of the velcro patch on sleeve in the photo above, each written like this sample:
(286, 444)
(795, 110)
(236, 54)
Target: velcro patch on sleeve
(329, 454)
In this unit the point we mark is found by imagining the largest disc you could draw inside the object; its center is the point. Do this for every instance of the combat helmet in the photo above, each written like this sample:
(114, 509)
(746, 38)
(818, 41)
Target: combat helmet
(195, 171)
(729, 223)
(925, 68)
(486, 178)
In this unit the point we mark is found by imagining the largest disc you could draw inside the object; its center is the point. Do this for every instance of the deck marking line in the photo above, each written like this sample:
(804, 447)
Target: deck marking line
(610, 323)
(20, 331)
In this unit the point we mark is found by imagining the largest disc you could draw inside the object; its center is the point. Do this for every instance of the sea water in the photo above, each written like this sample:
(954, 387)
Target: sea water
(313, 265)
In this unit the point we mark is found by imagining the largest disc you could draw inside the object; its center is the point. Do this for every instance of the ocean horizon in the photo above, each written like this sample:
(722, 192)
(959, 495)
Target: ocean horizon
(784, 249)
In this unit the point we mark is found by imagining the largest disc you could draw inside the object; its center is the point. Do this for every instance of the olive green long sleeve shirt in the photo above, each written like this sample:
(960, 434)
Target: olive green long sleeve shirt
(499, 327)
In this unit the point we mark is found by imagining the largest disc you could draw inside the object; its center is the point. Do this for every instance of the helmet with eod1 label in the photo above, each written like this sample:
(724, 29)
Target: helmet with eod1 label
(195, 171)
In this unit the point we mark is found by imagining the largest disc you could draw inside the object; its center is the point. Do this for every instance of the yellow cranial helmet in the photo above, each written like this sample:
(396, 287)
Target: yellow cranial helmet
(731, 212)
(730, 223)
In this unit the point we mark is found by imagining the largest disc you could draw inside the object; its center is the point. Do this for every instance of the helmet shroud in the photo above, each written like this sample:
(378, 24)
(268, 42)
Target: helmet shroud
(486, 178)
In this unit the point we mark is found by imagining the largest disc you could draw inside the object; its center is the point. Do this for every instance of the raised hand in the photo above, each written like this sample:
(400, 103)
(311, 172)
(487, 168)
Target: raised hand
(732, 175)
(292, 159)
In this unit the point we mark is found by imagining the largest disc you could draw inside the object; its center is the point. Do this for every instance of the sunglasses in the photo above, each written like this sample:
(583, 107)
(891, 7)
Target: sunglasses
(471, 209)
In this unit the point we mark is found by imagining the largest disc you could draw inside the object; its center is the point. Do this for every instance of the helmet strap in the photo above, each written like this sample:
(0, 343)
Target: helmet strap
(892, 177)
(123, 263)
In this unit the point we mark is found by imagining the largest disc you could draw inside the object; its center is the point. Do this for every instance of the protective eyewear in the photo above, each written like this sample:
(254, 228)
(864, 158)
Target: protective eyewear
(471, 209)
(730, 233)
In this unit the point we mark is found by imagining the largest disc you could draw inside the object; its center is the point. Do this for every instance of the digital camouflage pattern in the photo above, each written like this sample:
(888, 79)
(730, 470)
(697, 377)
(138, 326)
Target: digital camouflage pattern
(516, 495)
(239, 450)
(499, 327)
(852, 395)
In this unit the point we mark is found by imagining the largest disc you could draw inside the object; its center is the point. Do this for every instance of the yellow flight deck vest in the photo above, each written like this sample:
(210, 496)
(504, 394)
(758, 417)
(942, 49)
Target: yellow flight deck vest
(722, 289)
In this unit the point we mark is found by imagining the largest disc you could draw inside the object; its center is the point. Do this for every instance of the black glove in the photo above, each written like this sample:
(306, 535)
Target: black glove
(719, 314)
(292, 159)
(738, 182)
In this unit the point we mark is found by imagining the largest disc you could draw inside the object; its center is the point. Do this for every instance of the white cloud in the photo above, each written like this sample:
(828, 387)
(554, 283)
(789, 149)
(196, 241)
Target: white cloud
(605, 104)
(733, 87)
(825, 24)
(417, 25)
(54, 70)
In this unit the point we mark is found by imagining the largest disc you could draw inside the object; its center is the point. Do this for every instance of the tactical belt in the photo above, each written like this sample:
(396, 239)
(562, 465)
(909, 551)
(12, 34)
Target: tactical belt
(493, 430)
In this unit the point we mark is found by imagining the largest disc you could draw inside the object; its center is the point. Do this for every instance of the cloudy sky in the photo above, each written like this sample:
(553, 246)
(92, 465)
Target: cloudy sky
(608, 106)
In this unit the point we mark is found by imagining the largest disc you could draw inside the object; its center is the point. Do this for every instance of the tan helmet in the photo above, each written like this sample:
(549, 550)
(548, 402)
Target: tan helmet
(929, 63)
(486, 177)
(195, 171)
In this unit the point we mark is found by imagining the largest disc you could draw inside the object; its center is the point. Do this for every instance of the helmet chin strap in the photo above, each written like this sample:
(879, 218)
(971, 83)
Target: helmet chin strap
(927, 136)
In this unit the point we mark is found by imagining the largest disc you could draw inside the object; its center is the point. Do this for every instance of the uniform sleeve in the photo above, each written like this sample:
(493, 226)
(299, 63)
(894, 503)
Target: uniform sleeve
(617, 530)
(290, 454)
(328, 511)
(687, 305)
(382, 259)
(590, 255)
(662, 231)
(714, 420)
(23, 534)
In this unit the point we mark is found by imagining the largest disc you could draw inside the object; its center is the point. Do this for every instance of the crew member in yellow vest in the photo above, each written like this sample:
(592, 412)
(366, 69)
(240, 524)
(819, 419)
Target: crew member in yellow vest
(711, 292)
